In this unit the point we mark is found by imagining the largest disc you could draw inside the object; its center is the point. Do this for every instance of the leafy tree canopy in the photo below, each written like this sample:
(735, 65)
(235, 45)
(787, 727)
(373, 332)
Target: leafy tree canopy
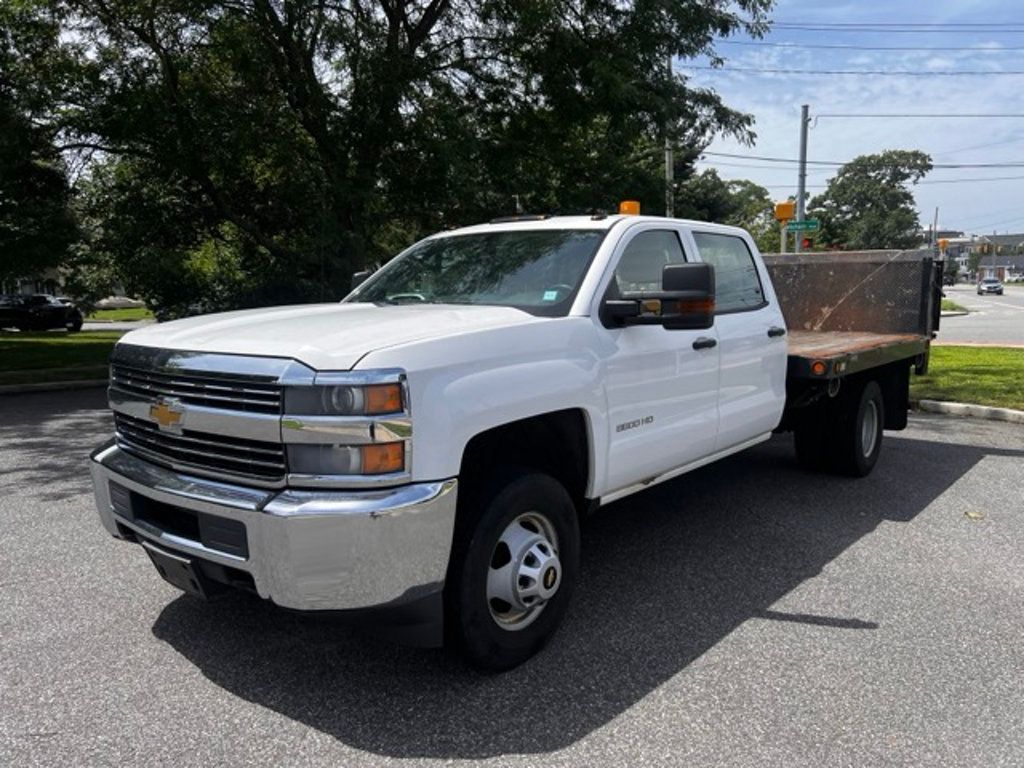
(707, 197)
(868, 203)
(36, 223)
(298, 140)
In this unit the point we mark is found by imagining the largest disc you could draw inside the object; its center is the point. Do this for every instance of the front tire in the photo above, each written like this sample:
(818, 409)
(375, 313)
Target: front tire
(514, 565)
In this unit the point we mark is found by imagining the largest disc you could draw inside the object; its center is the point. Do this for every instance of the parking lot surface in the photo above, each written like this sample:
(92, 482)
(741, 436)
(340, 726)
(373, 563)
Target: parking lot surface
(749, 613)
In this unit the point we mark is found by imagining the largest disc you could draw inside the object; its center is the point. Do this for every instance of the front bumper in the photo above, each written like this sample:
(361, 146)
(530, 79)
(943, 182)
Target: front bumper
(306, 550)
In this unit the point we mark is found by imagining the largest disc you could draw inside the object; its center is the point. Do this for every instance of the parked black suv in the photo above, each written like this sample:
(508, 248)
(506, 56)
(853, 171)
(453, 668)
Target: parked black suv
(39, 312)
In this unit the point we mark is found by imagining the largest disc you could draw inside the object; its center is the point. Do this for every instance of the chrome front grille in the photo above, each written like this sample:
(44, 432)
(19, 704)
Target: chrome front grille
(192, 449)
(212, 390)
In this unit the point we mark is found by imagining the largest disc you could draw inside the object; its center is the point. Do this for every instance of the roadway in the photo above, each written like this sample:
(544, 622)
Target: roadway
(992, 319)
(748, 614)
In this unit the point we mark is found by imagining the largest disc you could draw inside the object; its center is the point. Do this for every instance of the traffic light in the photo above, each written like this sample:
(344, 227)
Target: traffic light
(806, 243)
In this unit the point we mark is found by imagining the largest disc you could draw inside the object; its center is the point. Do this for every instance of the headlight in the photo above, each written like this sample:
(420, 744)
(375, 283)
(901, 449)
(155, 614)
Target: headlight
(371, 459)
(344, 400)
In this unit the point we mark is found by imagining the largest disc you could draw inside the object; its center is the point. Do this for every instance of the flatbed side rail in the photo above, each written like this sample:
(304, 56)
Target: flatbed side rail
(857, 291)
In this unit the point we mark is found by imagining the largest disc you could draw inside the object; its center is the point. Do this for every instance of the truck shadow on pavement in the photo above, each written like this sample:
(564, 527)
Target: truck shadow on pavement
(52, 446)
(666, 575)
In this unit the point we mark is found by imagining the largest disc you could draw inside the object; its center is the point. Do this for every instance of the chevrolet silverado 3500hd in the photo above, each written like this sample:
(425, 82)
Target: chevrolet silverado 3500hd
(424, 450)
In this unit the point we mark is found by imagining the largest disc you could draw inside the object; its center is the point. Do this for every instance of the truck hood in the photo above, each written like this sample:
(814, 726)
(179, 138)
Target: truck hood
(327, 337)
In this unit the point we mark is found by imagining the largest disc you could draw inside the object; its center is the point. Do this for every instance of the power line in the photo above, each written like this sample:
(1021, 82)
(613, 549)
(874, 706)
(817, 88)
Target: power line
(908, 24)
(821, 46)
(872, 72)
(928, 182)
(943, 115)
(993, 224)
(1000, 143)
(971, 181)
(901, 28)
(789, 160)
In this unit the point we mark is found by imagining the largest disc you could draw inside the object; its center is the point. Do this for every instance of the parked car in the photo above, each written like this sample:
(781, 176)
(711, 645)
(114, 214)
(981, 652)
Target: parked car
(990, 285)
(39, 312)
(948, 279)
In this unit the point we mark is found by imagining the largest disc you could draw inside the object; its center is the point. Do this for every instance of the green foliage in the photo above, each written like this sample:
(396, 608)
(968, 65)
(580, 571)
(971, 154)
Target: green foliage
(36, 225)
(973, 260)
(248, 152)
(707, 197)
(868, 205)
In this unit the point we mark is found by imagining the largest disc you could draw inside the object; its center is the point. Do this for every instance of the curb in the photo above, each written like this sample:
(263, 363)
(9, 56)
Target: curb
(951, 313)
(971, 410)
(51, 386)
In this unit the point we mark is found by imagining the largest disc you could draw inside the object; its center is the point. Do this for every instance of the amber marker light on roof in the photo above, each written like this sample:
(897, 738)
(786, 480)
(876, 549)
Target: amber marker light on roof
(630, 207)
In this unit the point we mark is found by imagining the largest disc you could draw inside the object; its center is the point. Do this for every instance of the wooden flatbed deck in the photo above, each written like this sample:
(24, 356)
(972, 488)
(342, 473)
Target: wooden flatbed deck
(846, 352)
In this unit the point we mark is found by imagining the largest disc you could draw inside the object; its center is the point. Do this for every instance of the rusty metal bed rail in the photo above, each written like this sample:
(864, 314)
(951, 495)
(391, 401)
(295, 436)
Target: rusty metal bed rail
(870, 291)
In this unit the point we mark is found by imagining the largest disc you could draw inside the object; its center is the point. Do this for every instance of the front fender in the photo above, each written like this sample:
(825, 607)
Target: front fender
(463, 385)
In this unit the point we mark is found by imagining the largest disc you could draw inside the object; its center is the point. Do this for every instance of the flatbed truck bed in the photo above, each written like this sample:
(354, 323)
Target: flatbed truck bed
(845, 352)
(857, 325)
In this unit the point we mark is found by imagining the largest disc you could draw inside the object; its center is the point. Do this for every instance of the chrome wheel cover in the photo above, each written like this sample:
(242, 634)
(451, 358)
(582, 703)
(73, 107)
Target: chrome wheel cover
(869, 428)
(524, 571)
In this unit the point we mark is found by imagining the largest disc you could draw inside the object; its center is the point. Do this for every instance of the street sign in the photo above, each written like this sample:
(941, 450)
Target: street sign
(807, 225)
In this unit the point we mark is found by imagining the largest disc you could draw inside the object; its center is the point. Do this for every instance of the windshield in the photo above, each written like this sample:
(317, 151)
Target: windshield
(538, 271)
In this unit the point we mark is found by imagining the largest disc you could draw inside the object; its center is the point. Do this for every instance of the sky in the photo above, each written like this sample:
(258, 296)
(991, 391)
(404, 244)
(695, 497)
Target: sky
(967, 36)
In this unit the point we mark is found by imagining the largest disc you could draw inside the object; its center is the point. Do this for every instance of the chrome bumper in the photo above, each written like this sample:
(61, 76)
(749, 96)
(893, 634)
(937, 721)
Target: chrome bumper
(307, 550)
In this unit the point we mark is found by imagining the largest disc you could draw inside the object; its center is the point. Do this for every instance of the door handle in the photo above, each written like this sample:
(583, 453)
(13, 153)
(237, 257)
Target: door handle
(776, 331)
(705, 342)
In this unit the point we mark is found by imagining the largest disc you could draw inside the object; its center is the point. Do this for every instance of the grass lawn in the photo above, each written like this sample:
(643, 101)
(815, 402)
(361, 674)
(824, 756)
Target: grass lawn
(983, 375)
(27, 358)
(119, 315)
(948, 305)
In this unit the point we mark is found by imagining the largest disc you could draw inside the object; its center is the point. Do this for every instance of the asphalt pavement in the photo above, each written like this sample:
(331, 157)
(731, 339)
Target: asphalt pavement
(992, 319)
(749, 613)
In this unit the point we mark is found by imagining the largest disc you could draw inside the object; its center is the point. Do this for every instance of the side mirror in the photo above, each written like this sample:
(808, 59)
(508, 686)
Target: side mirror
(694, 285)
(359, 278)
(686, 301)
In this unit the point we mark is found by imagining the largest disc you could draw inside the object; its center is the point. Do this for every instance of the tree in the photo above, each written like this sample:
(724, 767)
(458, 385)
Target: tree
(707, 197)
(868, 204)
(36, 223)
(308, 139)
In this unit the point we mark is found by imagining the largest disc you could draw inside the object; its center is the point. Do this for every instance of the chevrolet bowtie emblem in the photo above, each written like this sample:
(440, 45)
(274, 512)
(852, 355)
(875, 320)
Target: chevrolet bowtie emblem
(166, 413)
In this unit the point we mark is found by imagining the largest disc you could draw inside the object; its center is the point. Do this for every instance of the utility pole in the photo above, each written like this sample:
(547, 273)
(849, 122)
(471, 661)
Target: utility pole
(670, 202)
(801, 186)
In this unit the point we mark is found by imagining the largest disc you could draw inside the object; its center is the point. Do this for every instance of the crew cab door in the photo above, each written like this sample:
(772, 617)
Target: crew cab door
(661, 385)
(751, 337)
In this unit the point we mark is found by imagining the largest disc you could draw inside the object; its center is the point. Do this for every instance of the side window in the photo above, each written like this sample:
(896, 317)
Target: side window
(639, 269)
(737, 284)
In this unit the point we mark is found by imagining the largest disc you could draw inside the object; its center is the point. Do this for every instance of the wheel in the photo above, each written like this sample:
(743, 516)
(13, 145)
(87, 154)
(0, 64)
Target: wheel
(858, 432)
(513, 569)
(74, 324)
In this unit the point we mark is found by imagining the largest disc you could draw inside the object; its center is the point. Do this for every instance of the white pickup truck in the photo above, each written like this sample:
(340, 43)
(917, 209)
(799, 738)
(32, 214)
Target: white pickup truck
(420, 454)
